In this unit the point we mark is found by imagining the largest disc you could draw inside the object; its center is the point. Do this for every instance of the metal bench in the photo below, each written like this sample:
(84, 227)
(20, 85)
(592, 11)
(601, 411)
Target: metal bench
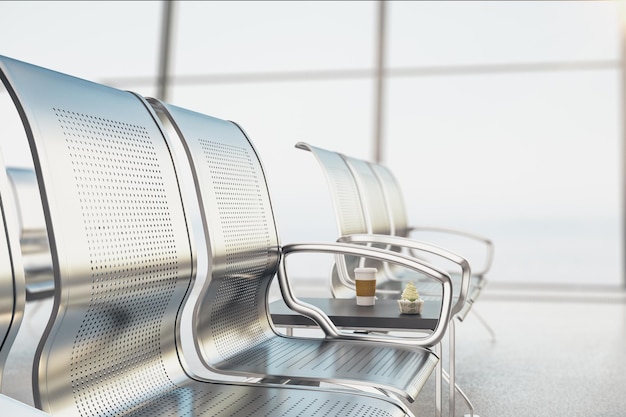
(363, 216)
(123, 265)
(232, 323)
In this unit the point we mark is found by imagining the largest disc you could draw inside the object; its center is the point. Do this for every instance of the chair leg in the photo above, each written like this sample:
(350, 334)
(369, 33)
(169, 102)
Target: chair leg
(451, 377)
(452, 365)
(463, 395)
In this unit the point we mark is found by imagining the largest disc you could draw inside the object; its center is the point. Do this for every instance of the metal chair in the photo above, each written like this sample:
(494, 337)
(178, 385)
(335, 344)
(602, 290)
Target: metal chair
(386, 214)
(123, 265)
(12, 407)
(12, 292)
(363, 217)
(233, 328)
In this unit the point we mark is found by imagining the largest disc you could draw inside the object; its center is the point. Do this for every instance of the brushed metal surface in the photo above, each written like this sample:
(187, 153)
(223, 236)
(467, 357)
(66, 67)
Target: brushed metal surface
(349, 214)
(123, 264)
(12, 292)
(393, 198)
(343, 189)
(366, 190)
(232, 320)
(33, 233)
(380, 232)
(379, 222)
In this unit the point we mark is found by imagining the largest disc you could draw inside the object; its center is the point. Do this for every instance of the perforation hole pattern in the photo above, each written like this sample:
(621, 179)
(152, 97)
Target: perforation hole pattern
(247, 236)
(374, 197)
(210, 400)
(351, 217)
(115, 357)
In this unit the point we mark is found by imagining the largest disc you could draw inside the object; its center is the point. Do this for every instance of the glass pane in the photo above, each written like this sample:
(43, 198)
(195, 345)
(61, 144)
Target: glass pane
(435, 33)
(251, 36)
(98, 41)
(530, 160)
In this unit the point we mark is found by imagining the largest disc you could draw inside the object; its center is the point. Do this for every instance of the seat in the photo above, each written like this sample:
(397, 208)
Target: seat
(233, 328)
(12, 407)
(123, 264)
(386, 214)
(363, 217)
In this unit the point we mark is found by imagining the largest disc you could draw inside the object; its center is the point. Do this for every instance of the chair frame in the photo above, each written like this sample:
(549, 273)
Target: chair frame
(33, 235)
(353, 183)
(111, 345)
(215, 149)
(12, 286)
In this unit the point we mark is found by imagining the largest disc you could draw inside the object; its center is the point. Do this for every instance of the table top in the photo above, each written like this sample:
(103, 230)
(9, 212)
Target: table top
(344, 313)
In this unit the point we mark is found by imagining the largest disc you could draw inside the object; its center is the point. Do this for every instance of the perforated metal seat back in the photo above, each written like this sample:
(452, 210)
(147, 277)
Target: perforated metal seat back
(380, 221)
(239, 225)
(7, 291)
(343, 190)
(12, 292)
(119, 243)
(231, 318)
(348, 207)
(33, 234)
(393, 198)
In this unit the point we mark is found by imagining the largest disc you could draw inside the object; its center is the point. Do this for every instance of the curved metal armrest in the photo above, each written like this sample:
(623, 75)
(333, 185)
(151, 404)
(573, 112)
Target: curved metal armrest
(489, 246)
(326, 323)
(414, 245)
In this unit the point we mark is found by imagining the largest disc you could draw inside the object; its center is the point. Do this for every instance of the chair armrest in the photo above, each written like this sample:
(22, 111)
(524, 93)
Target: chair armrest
(415, 246)
(326, 323)
(489, 246)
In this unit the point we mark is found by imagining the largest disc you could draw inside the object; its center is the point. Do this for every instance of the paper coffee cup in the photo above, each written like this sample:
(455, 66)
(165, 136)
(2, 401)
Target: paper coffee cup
(365, 286)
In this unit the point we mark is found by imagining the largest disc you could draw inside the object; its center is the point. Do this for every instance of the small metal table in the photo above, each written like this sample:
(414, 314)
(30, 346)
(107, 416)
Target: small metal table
(384, 316)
